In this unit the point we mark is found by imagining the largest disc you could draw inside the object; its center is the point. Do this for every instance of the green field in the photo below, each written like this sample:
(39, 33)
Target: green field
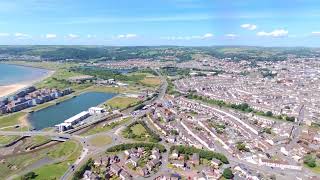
(11, 119)
(104, 127)
(120, 102)
(7, 139)
(63, 153)
(70, 150)
(151, 81)
(100, 140)
(138, 130)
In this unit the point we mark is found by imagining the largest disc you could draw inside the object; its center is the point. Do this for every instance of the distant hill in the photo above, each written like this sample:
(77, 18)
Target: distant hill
(106, 53)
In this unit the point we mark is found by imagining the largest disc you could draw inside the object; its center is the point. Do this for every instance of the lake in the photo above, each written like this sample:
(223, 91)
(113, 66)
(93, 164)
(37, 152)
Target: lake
(56, 114)
(13, 74)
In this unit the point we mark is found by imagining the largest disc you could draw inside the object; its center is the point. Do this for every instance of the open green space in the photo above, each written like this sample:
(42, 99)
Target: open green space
(141, 132)
(68, 151)
(121, 102)
(63, 153)
(11, 119)
(151, 81)
(138, 129)
(100, 140)
(7, 139)
(104, 127)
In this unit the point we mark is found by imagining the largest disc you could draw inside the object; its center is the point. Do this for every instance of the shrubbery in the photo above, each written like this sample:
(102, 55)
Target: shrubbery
(78, 174)
(310, 161)
(147, 146)
(227, 173)
(205, 154)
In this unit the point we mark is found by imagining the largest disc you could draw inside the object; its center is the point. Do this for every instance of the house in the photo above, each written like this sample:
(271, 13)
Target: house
(140, 151)
(131, 152)
(155, 150)
(172, 139)
(133, 160)
(174, 154)
(115, 169)
(195, 159)
(89, 175)
(155, 155)
(143, 171)
(210, 173)
(114, 159)
(125, 175)
(103, 161)
(215, 163)
(168, 177)
(151, 164)
(200, 176)
(178, 164)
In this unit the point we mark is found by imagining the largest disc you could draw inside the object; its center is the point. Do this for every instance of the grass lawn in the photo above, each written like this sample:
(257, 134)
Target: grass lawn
(122, 102)
(63, 149)
(110, 89)
(7, 139)
(69, 149)
(100, 140)
(104, 127)
(11, 119)
(151, 81)
(138, 130)
(59, 80)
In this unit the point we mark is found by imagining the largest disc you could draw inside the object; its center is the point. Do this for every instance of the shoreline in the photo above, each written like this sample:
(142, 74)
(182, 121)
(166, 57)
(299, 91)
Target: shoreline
(7, 90)
(24, 121)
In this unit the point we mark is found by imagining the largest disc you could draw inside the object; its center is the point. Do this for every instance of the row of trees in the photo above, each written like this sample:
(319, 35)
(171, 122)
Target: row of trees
(147, 146)
(205, 154)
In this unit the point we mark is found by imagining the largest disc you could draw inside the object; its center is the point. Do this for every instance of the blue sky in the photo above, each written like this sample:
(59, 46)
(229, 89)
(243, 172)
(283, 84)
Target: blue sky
(161, 22)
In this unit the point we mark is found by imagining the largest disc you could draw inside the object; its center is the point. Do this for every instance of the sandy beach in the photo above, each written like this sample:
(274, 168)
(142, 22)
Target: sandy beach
(7, 90)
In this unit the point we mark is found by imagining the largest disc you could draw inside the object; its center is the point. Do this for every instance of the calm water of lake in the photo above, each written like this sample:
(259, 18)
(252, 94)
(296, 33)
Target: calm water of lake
(53, 115)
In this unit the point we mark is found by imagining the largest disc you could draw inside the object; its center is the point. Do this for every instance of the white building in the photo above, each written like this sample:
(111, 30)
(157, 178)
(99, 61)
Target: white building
(95, 110)
(77, 118)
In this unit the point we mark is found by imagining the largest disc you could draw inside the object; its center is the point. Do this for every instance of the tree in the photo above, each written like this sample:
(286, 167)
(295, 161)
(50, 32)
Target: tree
(29, 175)
(227, 173)
(310, 161)
(269, 113)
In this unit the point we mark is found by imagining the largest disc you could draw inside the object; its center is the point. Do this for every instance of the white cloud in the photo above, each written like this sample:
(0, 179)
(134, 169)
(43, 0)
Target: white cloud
(250, 27)
(203, 37)
(275, 33)
(51, 36)
(316, 33)
(4, 34)
(231, 36)
(91, 36)
(73, 36)
(127, 36)
(207, 36)
(22, 35)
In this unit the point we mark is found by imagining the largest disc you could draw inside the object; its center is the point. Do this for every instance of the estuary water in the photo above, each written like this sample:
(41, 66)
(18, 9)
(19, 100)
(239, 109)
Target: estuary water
(13, 74)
